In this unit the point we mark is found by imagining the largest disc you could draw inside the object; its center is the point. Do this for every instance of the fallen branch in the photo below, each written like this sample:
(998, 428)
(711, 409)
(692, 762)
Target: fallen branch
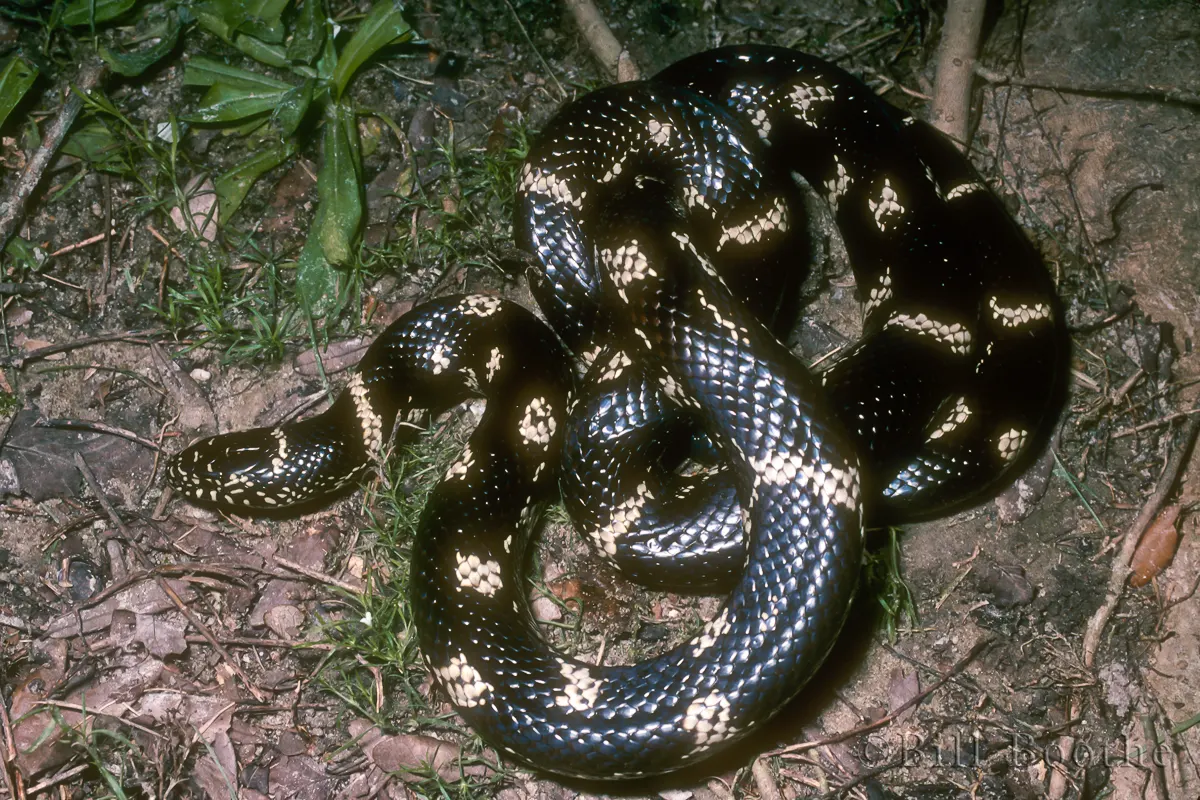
(13, 210)
(604, 45)
(1120, 568)
(962, 28)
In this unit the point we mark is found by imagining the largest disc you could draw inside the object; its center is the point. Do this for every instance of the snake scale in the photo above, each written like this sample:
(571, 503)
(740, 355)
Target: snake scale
(666, 219)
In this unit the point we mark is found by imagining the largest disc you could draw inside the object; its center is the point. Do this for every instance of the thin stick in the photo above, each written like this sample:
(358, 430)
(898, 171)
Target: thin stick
(90, 478)
(1155, 423)
(1127, 91)
(13, 211)
(1120, 568)
(958, 667)
(99, 237)
(318, 576)
(97, 427)
(562, 93)
(134, 337)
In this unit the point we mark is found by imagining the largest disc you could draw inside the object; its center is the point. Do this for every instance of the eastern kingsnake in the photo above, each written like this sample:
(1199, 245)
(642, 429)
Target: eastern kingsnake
(652, 208)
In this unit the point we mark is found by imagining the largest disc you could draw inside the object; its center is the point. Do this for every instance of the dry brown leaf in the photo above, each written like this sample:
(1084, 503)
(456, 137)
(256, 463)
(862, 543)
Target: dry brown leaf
(406, 752)
(1157, 547)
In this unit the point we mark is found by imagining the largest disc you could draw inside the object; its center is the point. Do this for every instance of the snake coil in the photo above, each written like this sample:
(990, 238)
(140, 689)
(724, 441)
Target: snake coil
(665, 217)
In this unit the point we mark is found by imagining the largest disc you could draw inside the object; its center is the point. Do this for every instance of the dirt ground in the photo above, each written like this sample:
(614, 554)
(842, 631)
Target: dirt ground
(192, 652)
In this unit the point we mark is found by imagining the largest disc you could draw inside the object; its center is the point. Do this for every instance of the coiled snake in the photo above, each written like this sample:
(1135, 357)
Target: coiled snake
(665, 218)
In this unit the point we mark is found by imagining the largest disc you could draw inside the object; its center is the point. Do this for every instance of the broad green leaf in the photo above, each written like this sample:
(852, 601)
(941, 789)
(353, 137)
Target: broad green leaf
(224, 103)
(338, 185)
(384, 24)
(308, 34)
(218, 17)
(271, 54)
(202, 71)
(135, 63)
(233, 185)
(95, 144)
(80, 12)
(316, 279)
(263, 19)
(16, 76)
(293, 106)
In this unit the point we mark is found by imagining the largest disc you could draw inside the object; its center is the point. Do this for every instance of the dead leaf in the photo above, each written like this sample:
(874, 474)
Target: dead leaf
(144, 598)
(903, 687)
(284, 621)
(337, 357)
(405, 753)
(1156, 548)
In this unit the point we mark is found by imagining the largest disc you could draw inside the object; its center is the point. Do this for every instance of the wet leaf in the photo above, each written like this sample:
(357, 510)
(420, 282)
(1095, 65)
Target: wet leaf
(138, 61)
(384, 24)
(232, 186)
(316, 279)
(338, 185)
(259, 50)
(88, 12)
(225, 103)
(293, 106)
(16, 76)
(95, 144)
(308, 36)
(207, 72)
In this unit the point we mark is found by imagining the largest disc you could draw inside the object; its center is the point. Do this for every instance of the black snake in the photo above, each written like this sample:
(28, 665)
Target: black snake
(665, 217)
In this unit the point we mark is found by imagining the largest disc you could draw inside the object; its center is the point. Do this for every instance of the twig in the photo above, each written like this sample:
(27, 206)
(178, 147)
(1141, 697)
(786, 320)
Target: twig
(10, 753)
(62, 251)
(764, 781)
(1120, 91)
(236, 668)
(958, 667)
(55, 780)
(134, 337)
(97, 427)
(1120, 568)
(316, 575)
(604, 45)
(1155, 423)
(13, 210)
(562, 93)
(961, 32)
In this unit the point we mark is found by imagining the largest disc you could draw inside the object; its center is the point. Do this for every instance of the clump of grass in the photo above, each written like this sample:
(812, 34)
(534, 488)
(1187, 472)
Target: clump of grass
(885, 581)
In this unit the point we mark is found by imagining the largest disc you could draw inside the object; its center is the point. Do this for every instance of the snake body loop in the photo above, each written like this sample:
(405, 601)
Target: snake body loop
(666, 218)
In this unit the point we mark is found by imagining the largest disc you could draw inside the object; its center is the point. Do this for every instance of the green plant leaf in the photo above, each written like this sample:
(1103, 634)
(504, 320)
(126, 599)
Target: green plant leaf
(338, 185)
(316, 279)
(259, 50)
(384, 24)
(293, 106)
(219, 17)
(232, 186)
(225, 103)
(96, 145)
(80, 12)
(308, 35)
(135, 63)
(202, 71)
(16, 76)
